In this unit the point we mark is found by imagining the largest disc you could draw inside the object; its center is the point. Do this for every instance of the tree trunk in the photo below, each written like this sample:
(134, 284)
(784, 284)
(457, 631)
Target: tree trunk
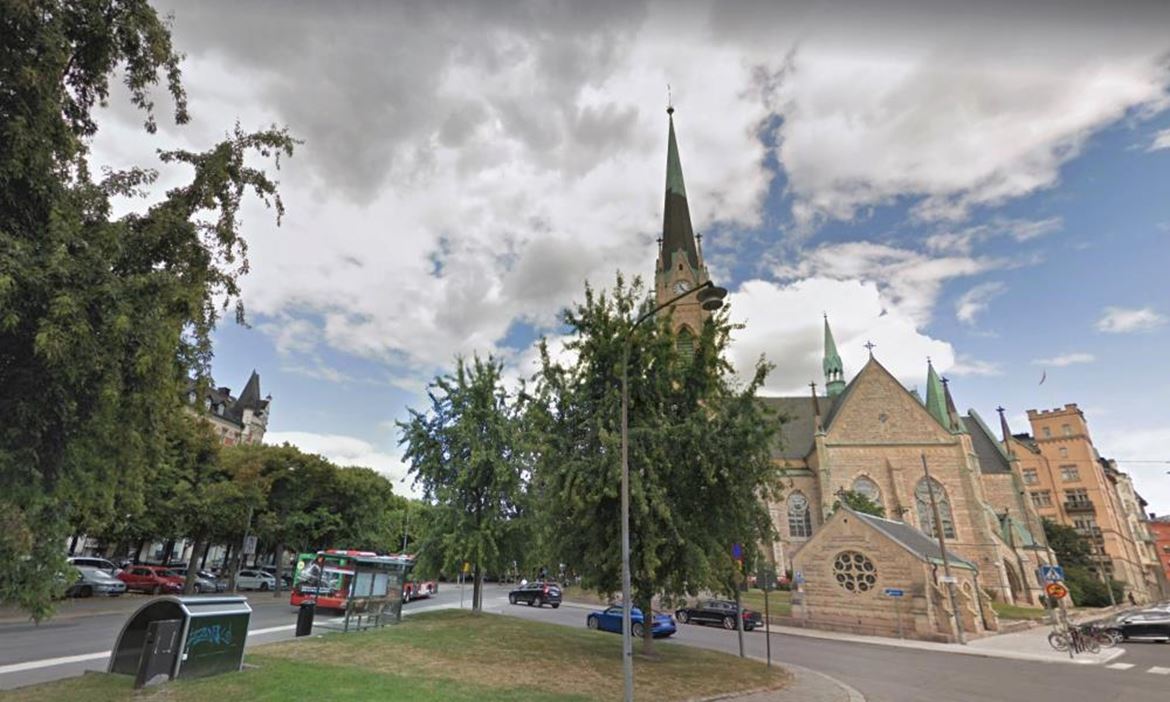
(477, 591)
(168, 551)
(648, 628)
(279, 563)
(192, 571)
(138, 551)
(227, 559)
(203, 559)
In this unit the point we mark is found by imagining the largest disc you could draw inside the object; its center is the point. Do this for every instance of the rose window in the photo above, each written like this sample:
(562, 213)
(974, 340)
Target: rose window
(854, 572)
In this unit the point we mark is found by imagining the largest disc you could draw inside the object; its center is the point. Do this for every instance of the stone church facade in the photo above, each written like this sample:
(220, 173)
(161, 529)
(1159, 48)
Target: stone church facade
(870, 435)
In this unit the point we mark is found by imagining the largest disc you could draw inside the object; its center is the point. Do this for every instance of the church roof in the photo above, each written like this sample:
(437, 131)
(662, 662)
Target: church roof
(676, 219)
(798, 431)
(912, 540)
(936, 402)
(992, 459)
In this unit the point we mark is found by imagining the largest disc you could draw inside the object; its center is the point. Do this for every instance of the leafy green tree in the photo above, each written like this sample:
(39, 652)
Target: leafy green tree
(462, 451)
(698, 452)
(102, 320)
(1082, 572)
(858, 502)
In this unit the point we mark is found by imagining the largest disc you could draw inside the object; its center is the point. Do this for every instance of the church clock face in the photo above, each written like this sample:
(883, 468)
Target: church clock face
(681, 287)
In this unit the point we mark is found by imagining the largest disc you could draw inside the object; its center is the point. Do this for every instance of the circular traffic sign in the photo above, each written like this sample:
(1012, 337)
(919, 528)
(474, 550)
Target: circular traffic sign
(1056, 590)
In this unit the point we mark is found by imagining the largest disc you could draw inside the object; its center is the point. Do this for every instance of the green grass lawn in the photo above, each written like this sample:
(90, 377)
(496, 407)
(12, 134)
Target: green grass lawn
(1007, 611)
(779, 602)
(443, 655)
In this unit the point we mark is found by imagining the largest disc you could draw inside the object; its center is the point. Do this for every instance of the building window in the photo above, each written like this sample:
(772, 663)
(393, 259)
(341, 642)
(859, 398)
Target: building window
(867, 487)
(1047, 432)
(1063, 452)
(1066, 430)
(1077, 497)
(207, 404)
(1030, 477)
(1069, 474)
(686, 343)
(1042, 498)
(799, 519)
(926, 513)
(854, 572)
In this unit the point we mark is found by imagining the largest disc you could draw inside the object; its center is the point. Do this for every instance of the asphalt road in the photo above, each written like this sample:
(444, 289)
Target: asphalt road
(881, 673)
(888, 674)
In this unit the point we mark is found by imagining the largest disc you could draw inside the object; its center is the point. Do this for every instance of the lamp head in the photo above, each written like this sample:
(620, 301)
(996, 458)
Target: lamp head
(711, 298)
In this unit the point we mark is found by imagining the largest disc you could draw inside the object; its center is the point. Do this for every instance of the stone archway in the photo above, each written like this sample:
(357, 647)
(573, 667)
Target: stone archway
(1014, 582)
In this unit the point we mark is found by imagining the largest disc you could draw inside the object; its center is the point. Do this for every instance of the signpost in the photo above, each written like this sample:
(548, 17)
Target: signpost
(1056, 591)
(896, 594)
(1051, 574)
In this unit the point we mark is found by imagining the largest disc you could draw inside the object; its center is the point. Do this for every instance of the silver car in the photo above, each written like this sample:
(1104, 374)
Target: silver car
(92, 581)
(204, 582)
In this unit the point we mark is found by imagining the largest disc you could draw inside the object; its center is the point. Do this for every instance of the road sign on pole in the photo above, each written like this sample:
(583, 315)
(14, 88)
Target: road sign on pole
(1051, 574)
(1056, 591)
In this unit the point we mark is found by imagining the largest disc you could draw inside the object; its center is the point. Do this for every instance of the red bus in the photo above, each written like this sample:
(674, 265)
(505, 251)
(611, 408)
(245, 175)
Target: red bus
(324, 577)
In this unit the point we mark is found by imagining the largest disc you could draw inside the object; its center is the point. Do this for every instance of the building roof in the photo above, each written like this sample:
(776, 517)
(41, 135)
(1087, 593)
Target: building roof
(232, 407)
(936, 402)
(992, 459)
(912, 540)
(676, 219)
(798, 430)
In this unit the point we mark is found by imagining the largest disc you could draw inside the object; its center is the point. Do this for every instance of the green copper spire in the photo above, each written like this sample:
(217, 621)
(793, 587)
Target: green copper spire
(676, 221)
(834, 369)
(936, 401)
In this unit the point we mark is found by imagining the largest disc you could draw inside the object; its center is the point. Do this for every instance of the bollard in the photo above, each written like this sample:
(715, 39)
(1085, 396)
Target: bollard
(305, 618)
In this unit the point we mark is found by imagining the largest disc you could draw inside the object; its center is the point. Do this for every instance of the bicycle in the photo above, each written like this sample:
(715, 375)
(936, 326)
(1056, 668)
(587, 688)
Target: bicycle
(1106, 638)
(1073, 639)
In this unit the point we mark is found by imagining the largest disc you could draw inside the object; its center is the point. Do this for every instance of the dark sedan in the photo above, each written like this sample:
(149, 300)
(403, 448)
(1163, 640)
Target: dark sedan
(537, 594)
(1147, 625)
(720, 612)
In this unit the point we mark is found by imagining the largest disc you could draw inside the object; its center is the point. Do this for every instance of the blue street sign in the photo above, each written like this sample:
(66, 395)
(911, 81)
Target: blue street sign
(893, 592)
(737, 552)
(799, 578)
(1051, 574)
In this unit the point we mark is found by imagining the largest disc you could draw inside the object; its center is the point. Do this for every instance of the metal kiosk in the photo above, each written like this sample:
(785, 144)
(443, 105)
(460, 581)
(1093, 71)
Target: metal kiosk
(187, 637)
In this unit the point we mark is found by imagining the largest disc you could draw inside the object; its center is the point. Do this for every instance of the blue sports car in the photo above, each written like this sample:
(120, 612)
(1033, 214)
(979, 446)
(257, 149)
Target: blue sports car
(610, 619)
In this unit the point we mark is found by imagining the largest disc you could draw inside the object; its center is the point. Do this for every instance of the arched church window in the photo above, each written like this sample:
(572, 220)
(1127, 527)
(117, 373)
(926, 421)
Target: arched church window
(799, 519)
(854, 572)
(926, 514)
(686, 343)
(867, 487)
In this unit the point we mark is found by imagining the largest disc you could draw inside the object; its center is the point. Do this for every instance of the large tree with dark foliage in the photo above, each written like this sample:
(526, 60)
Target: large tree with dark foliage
(699, 453)
(102, 319)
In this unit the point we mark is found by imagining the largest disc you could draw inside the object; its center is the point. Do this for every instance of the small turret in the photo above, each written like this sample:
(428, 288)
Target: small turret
(834, 369)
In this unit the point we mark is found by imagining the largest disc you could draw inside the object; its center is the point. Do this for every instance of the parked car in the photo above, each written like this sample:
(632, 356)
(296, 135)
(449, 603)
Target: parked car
(94, 562)
(204, 581)
(1146, 625)
(251, 579)
(92, 581)
(285, 576)
(153, 579)
(721, 612)
(537, 595)
(610, 619)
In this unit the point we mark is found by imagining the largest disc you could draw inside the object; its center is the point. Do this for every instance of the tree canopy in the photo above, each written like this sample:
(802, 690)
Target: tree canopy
(698, 451)
(102, 319)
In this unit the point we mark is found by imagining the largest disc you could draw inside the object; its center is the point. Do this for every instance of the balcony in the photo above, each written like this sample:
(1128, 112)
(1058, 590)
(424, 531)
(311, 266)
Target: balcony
(1080, 508)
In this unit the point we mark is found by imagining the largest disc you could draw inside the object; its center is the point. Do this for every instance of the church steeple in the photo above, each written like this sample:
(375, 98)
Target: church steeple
(834, 369)
(936, 397)
(677, 234)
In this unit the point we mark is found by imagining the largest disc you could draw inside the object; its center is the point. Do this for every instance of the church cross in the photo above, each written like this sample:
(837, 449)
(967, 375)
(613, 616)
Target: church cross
(870, 345)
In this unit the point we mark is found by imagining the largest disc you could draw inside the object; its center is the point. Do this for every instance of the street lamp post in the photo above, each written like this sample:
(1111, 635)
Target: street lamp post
(710, 298)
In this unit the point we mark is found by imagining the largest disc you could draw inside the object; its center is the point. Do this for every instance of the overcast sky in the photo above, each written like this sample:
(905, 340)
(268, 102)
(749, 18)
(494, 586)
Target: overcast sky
(980, 184)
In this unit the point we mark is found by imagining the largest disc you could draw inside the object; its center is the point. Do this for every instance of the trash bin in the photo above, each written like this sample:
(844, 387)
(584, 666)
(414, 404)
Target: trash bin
(305, 618)
(211, 632)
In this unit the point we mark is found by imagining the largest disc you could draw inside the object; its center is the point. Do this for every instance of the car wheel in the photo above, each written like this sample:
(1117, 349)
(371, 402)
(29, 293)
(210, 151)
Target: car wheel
(592, 623)
(682, 616)
(729, 622)
(86, 591)
(637, 630)
(157, 589)
(264, 586)
(748, 628)
(511, 599)
(198, 589)
(556, 604)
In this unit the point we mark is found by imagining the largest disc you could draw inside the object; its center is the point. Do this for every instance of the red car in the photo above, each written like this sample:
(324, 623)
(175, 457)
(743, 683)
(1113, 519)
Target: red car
(153, 579)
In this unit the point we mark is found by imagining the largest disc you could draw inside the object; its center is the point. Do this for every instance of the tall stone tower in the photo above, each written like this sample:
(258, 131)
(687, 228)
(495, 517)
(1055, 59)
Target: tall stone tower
(834, 369)
(680, 259)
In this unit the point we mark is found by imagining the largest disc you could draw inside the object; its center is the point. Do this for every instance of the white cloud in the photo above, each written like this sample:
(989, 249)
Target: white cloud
(1141, 443)
(349, 451)
(974, 367)
(976, 300)
(793, 339)
(908, 280)
(1120, 320)
(1066, 359)
(1161, 141)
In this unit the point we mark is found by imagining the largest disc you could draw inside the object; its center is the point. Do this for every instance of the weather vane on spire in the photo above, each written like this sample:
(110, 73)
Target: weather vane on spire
(669, 101)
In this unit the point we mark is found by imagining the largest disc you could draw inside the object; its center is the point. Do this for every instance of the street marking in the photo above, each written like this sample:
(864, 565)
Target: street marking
(1157, 670)
(50, 662)
(1120, 666)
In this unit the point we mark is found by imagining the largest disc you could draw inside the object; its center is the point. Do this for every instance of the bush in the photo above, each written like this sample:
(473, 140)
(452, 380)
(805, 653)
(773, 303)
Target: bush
(1087, 590)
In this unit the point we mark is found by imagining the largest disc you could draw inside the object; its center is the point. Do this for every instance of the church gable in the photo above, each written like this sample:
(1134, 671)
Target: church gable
(876, 408)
